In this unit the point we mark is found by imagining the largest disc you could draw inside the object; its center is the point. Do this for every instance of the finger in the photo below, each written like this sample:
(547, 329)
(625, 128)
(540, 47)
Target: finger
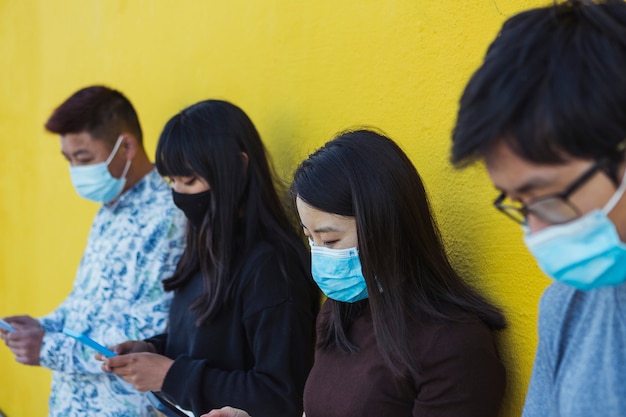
(18, 341)
(124, 347)
(23, 348)
(108, 368)
(19, 319)
(116, 361)
(27, 359)
(12, 343)
(121, 370)
(23, 359)
(129, 378)
(226, 412)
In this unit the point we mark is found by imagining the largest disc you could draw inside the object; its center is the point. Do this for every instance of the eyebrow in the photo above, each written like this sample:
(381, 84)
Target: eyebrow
(526, 187)
(76, 153)
(326, 229)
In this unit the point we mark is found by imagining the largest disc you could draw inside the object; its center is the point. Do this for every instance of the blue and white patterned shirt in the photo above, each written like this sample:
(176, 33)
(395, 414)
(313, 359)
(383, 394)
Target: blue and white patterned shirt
(117, 295)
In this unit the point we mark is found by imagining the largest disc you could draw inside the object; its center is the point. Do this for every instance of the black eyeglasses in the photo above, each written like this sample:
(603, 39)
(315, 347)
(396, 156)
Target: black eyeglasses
(553, 208)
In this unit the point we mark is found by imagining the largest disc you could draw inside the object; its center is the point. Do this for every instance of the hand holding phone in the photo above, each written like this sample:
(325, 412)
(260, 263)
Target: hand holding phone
(163, 405)
(89, 342)
(6, 326)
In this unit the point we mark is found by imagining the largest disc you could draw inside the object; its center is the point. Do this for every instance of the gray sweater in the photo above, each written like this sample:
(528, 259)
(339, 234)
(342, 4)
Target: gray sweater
(580, 365)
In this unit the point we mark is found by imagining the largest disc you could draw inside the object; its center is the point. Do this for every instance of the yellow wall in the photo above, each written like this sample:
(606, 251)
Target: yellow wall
(302, 71)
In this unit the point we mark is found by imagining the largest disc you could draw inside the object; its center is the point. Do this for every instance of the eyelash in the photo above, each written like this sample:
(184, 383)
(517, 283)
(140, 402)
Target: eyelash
(324, 243)
(190, 182)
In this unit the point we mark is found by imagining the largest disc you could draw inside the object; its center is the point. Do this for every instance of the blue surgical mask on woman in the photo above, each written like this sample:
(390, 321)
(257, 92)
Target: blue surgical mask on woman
(338, 273)
(586, 253)
(95, 182)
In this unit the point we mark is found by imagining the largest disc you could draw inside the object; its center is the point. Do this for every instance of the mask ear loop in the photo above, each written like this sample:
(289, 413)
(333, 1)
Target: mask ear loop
(619, 193)
(114, 151)
(126, 168)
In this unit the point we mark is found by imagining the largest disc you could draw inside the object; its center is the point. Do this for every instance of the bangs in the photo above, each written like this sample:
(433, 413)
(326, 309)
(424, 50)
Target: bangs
(177, 154)
(171, 160)
(321, 182)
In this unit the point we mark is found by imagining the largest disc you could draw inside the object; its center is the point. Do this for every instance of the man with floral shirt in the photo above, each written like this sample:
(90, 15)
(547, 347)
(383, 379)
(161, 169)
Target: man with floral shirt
(134, 243)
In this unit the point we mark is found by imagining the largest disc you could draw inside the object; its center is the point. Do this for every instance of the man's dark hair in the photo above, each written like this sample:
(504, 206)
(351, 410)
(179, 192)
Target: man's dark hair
(102, 112)
(552, 85)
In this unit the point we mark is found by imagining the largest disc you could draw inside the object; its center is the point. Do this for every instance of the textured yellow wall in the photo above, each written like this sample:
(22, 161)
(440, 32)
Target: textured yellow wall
(302, 71)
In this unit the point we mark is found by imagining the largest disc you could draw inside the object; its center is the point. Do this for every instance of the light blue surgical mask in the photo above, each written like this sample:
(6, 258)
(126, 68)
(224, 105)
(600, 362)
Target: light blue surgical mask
(585, 253)
(95, 182)
(338, 273)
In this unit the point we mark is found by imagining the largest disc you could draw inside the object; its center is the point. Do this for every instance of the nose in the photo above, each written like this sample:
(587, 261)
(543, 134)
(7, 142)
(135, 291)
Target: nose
(535, 224)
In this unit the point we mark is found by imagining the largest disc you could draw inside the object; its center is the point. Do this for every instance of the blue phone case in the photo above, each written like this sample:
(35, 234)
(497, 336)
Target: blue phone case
(6, 326)
(89, 342)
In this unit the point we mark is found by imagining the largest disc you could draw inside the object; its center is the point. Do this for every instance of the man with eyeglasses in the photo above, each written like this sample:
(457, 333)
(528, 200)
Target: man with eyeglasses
(546, 112)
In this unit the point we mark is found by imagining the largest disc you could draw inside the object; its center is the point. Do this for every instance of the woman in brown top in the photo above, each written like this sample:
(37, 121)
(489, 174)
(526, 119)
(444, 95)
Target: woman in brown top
(400, 334)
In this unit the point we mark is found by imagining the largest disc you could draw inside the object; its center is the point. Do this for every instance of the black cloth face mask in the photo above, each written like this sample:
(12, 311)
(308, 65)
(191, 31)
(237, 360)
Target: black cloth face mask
(195, 206)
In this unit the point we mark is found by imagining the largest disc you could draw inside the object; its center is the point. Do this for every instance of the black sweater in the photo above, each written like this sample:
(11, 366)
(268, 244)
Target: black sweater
(256, 352)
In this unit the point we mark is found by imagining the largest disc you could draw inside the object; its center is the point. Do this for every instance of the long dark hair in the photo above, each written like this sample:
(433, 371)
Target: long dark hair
(366, 175)
(208, 139)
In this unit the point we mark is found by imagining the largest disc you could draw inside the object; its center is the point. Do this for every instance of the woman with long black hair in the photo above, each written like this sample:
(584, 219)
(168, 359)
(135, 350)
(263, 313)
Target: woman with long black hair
(401, 334)
(241, 327)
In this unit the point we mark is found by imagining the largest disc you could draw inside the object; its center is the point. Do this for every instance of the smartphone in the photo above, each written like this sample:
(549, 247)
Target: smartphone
(163, 405)
(6, 326)
(89, 342)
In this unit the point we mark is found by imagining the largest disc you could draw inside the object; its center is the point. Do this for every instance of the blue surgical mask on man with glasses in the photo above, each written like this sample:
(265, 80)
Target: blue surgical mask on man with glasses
(586, 251)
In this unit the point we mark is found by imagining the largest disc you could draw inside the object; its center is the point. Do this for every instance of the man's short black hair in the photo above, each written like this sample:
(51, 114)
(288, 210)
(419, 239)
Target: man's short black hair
(552, 85)
(101, 111)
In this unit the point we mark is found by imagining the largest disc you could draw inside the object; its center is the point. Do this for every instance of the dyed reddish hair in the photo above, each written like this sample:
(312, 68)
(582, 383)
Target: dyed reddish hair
(102, 112)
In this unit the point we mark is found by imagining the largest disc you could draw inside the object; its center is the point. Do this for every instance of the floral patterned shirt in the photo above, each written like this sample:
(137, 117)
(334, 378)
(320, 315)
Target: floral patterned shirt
(117, 295)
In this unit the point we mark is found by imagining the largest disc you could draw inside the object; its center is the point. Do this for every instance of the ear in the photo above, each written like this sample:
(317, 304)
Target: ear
(130, 144)
(246, 159)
